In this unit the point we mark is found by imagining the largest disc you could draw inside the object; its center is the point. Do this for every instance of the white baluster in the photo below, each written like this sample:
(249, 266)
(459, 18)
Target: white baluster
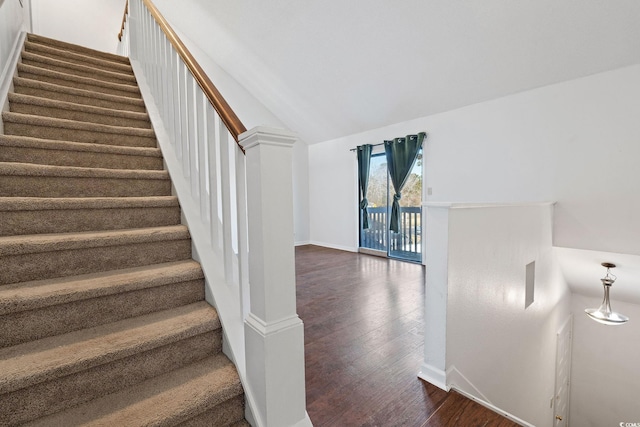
(243, 243)
(157, 73)
(193, 150)
(201, 141)
(162, 67)
(225, 181)
(175, 86)
(147, 42)
(213, 145)
(182, 152)
(169, 121)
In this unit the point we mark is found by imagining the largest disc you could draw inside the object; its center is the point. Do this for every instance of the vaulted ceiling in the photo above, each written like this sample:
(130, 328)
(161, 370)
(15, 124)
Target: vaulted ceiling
(334, 68)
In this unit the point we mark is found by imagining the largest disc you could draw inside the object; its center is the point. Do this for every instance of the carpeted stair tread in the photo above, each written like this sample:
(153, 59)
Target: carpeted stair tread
(53, 144)
(42, 360)
(79, 96)
(28, 119)
(225, 414)
(46, 215)
(50, 397)
(35, 180)
(25, 149)
(166, 400)
(28, 244)
(80, 70)
(108, 301)
(87, 83)
(46, 256)
(76, 57)
(79, 112)
(38, 39)
(54, 203)
(71, 130)
(36, 294)
(28, 169)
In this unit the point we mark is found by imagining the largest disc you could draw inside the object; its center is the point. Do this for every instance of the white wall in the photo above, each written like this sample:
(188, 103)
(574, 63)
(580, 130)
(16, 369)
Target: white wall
(11, 23)
(333, 189)
(573, 142)
(301, 193)
(605, 372)
(93, 23)
(505, 351)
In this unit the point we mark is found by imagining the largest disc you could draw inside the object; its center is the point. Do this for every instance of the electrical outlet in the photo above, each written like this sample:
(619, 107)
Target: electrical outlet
(429, 191)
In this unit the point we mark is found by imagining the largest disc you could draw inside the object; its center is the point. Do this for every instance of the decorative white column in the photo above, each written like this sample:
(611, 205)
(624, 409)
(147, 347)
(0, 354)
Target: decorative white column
(274, 335)
(436, 257)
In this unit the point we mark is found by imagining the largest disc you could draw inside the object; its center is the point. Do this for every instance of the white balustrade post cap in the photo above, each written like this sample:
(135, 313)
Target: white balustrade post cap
(267, 135)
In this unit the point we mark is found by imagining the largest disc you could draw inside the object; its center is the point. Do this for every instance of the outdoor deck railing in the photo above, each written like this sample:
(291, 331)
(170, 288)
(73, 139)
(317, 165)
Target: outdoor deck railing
(407, 243)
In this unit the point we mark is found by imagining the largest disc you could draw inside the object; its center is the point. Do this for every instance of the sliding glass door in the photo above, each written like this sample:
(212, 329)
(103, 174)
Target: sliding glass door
(375, 238)
(378, 239)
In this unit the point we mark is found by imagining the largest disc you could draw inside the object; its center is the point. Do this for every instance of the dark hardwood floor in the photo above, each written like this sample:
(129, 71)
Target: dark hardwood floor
(363, 324)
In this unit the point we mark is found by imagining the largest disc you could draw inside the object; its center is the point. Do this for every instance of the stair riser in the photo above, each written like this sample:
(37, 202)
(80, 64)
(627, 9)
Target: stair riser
(78, 59)
(76, 220)
(224, 414)
(80, 116)
(62, 96)
(59, 319)
(43, 399)
(80, 85)
(80, 72)
(78, 158)
(73, 135)
(48, 265)
(54, 186)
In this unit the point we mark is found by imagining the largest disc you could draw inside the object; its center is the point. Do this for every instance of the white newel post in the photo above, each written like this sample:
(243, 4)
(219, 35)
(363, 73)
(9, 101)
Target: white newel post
(274, 336)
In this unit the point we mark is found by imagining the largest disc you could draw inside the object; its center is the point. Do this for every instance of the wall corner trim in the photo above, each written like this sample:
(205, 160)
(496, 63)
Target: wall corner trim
(434, 376)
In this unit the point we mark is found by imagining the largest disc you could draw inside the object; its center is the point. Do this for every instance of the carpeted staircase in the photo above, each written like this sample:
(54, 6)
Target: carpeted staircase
(102, 312)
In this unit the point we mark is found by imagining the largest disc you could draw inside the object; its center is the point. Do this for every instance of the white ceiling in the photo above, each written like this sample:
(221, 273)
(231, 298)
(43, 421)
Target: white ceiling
(333, 68)
(582, 271)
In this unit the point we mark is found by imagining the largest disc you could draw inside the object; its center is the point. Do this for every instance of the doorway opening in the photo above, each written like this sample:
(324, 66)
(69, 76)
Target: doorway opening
(378, 239)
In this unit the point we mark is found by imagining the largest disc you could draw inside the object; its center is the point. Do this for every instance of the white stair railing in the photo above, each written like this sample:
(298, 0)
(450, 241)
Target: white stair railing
(231, 202)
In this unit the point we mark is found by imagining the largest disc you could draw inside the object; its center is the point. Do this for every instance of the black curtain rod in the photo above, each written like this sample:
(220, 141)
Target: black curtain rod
(373, 145)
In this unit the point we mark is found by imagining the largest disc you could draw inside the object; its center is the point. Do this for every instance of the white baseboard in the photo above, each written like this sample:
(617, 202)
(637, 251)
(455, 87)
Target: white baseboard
(461, 384)
(302, 243)
(332, 246)
(305, 422)
(434, 376)
(494, 408)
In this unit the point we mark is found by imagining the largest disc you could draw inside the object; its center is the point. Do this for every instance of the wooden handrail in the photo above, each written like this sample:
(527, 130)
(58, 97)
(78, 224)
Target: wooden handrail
(124, 20)
(229, 118)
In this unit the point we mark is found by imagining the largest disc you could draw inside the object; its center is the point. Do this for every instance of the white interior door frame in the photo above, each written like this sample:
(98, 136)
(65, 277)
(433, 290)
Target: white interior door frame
(562, 390)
